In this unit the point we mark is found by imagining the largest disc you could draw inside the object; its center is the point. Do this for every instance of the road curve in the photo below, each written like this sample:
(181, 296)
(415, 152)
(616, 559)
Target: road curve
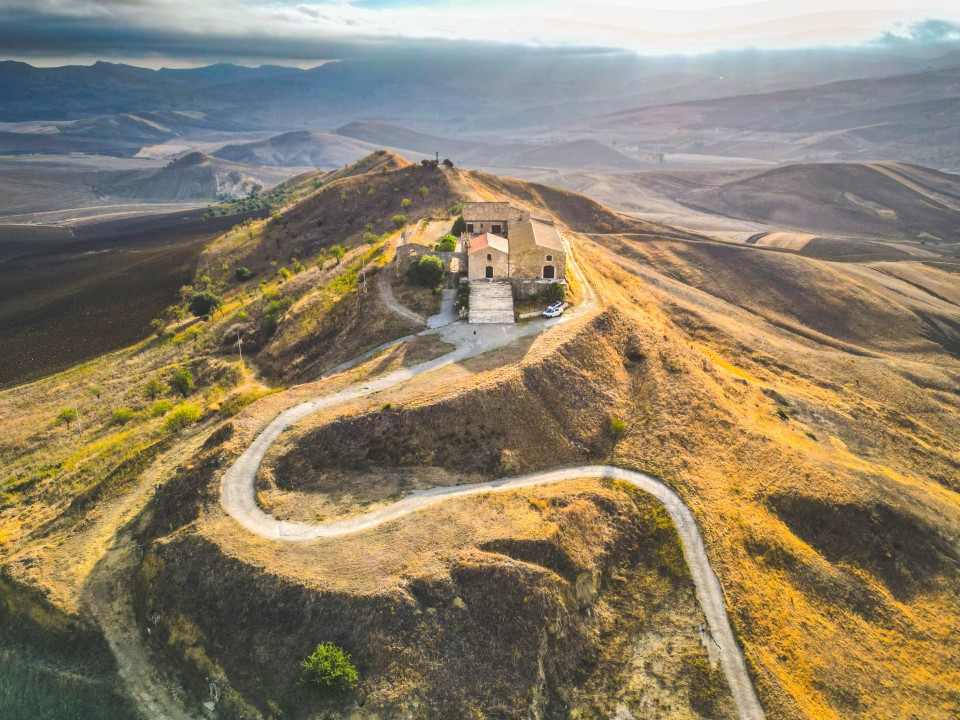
(238, 498)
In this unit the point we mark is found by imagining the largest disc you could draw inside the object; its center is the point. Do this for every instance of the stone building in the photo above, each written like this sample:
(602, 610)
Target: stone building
(488, 257)
(490, 217)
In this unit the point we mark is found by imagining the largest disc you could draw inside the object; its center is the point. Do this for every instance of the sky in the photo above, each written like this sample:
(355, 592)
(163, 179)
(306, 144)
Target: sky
(179, 33)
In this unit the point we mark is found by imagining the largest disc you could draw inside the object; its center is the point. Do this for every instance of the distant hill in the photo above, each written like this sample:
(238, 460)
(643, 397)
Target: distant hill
(385, 134)
(298, 149)
(193, 177)
(577, 154)
(889, 200)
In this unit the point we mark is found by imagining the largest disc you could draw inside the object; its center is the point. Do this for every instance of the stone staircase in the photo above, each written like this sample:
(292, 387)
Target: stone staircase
(491, 301)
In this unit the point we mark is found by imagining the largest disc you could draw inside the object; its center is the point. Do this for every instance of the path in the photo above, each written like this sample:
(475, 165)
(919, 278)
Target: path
(108, 601)
(238, 487)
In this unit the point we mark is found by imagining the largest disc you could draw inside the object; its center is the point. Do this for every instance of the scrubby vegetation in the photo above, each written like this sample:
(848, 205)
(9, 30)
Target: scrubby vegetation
(427, 271)
(329, 669)
(448, 243)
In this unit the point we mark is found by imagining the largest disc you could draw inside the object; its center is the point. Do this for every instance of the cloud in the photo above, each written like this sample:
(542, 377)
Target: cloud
(304, 30)
(923, 32)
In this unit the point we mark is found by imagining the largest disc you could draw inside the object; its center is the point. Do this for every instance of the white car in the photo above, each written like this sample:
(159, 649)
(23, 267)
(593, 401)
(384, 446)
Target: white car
(554, 309)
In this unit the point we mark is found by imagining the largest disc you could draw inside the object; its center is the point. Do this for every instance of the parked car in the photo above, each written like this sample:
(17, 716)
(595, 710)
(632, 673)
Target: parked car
(554, 309)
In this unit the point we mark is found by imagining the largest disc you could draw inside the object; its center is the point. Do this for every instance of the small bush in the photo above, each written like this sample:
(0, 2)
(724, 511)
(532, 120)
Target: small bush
(448, 243)
(706, 683)
(122, 415)
(191, 333)
(203, 304)
(423, 191)
(556, 292)
(338, 251)
(782, 415)
(329, 669)
(405, 203)
(66, 416)
(242, 273)
(154, 388)
(427, 271)
(463, 298)
(459, 226)
(284, 273)
(618, 429)
(181, 417)
(399, 221)
(161, 407)
(182, 382)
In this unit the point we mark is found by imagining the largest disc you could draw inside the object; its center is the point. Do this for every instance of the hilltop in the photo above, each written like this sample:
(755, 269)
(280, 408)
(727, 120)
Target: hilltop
(805, 411)
(298, 149)
(194, 177)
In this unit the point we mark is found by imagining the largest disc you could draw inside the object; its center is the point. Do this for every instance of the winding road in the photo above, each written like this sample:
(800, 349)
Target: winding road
(238, 491)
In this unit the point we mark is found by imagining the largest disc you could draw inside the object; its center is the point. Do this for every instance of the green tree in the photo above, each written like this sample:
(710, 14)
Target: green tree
(427, 271)
(175, 312)
(182, 381)
(370, 239)
(448, 243)
(405, 203)
(121, 416)
(459, 226)
(203, 304)
(66, 416)
(618, 429)
(329, 669)
(243, 273)
(338, 251)
(154, 388)
(424, 191)
(159, 327)
(399, 221)
(96, 391)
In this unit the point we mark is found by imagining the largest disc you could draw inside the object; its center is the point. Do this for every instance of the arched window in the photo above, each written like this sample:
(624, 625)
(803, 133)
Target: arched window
(548, 272)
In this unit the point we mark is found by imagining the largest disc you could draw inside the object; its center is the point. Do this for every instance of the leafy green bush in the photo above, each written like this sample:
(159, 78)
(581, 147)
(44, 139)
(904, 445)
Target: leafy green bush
(242, 273)
(154, 388)
(338, 251)
(399, 221)
(182, 381)
(459, 226)
(274, 310)
(427, 271)
(329, 669)
(405, 203)
(122, 415)
(618, 429)
(205, 303)
(448, 243)
(423, 191)
(463, 298)
(556, 292)
(181, 417)
(66, 416)
(161, 407)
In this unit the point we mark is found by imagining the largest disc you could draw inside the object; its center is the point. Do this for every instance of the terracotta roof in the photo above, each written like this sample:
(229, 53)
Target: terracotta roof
(482, 242)
(489, 211)
(534, 232)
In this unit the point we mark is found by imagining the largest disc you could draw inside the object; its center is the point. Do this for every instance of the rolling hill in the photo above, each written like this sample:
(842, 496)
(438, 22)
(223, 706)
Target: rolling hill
(306, 148)
(194, 177)
(883, 200)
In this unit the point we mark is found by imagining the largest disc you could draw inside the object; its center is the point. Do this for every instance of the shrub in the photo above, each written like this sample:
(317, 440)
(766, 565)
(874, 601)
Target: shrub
(447, 162)
(121, 416)
(189, 334)
(399, 221)
(284, 273)
(242, 273)
(161, 407)
(275, 309)
(424, 191)
(338, 251)
(405, 203)
(448, 243)
(459, 226)
(183, 415)
(370, 239)
(159, 327)
(556, 292)
(706, 683)
(203, 304)
(329, 669)
(155, 387)
(66, 416)
(782, 414)
(618, 429)
(182, 382)
(463, 298)
(427, 271)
